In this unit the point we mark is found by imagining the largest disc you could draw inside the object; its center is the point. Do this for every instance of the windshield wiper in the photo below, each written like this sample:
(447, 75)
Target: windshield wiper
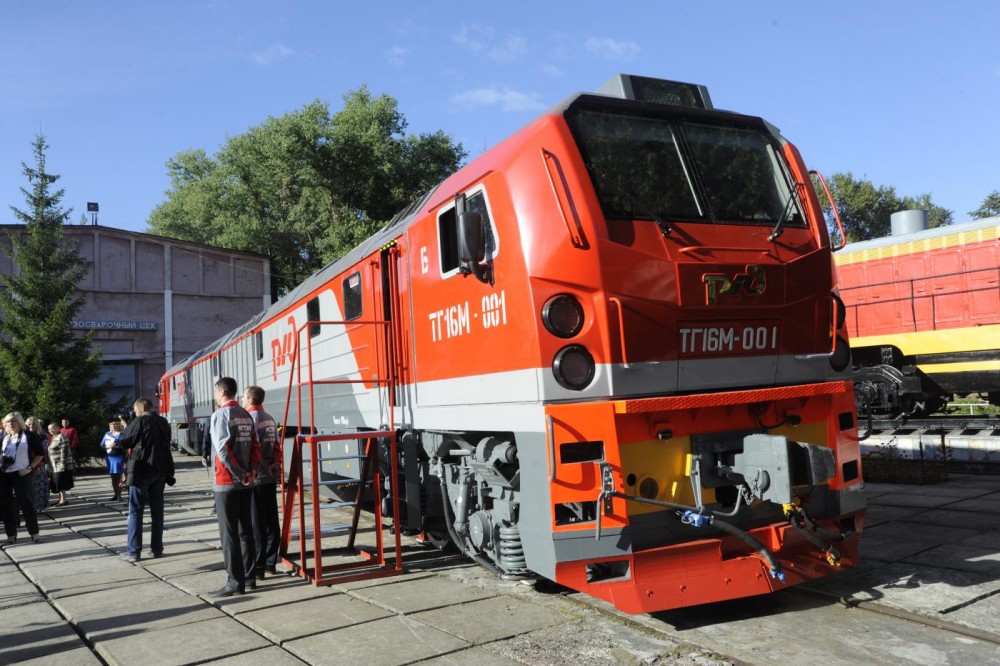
(779, 228)
(621, 189)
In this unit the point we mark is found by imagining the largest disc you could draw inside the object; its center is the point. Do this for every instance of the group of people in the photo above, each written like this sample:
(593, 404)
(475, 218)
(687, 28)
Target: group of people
(33, 465)
(244, 455)
(246, 464)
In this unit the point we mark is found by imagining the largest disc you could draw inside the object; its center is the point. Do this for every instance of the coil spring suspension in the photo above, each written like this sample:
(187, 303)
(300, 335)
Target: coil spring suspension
(510, 549)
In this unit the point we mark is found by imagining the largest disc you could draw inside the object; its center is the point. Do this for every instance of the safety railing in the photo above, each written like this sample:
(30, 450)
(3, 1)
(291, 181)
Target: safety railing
(306, 514)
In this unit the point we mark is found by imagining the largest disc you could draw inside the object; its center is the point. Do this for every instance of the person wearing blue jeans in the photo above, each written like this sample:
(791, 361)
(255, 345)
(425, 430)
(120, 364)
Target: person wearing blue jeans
(138, 498)
(150, 466)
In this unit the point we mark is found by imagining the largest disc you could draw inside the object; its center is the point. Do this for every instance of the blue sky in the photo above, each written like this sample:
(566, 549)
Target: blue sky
(905, 94)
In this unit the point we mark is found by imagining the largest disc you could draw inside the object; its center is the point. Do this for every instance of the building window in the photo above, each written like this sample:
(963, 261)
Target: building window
(123, 381)
(313, 314)
(352, 297)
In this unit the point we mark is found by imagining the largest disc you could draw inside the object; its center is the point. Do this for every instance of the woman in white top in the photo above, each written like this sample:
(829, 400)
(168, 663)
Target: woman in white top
(21, 456)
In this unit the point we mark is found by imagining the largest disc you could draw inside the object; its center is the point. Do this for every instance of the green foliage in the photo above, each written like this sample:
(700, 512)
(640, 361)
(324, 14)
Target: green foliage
(305, 187)
(989, 208)
(44, 369)
(865, 208)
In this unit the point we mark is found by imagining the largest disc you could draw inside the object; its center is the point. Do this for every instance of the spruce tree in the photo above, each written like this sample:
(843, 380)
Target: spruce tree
(44, 369)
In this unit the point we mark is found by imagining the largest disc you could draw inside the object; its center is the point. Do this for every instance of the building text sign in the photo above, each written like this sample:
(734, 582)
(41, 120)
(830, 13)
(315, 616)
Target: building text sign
(112, 325)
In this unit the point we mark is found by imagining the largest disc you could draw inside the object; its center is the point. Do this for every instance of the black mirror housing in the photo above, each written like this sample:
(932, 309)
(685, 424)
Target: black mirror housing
(472, 257)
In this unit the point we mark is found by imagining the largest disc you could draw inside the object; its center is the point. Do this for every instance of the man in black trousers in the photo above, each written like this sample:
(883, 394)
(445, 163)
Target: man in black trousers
(236, 455)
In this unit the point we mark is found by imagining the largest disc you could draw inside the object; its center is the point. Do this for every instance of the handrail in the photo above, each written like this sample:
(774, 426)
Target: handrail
(388, 365)
(576, 238)
(833, 207)
(621, 327)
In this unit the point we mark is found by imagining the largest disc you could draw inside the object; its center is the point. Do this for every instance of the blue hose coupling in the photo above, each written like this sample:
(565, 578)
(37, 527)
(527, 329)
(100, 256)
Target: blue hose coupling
(695, 519)
(777, 573)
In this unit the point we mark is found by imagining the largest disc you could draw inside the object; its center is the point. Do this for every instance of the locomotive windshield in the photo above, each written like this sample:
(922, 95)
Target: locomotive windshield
(681, 168)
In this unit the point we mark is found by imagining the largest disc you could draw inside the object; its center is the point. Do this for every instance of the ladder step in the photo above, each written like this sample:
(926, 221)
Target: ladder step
(326, 529)
(333, 484)
(331, 505)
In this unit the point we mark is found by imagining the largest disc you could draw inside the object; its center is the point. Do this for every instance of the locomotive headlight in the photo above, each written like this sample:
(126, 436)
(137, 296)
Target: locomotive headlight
(573, 367)
(562, 316)
(841, 355)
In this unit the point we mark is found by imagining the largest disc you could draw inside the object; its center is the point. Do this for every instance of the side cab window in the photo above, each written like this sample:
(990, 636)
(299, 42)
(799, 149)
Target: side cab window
(475, 200)
(352, 297)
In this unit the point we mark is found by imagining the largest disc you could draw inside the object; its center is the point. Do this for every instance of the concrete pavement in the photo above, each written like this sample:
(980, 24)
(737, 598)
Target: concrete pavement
(931, 551)
(73, 598)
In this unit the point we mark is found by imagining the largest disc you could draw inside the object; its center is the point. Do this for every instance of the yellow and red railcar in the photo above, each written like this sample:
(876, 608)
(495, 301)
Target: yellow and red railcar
(923, 311)
(618, 354)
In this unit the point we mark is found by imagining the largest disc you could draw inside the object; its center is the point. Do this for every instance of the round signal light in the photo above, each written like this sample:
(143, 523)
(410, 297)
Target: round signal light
(573, 367)
(562, 316)
(841, 355)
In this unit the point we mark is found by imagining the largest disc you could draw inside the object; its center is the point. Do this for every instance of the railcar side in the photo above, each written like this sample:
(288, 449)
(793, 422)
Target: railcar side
(923, 310)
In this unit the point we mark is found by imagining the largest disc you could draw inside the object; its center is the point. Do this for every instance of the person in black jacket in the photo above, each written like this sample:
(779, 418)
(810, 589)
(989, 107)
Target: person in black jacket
(149, 467)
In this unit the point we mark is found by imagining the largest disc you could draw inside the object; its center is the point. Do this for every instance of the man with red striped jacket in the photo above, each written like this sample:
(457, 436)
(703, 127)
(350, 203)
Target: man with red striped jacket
(236, 453)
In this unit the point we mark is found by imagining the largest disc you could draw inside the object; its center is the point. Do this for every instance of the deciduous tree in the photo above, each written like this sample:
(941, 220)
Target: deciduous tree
(866, 209)
(305, 187)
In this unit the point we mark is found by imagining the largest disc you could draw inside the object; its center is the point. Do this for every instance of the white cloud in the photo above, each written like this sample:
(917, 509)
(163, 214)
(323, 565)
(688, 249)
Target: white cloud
(396, 56)
(473, 37)
(509, 50)
(272, 54)
(552, 71)
(505, 98)
(608, 48)
(482, 40)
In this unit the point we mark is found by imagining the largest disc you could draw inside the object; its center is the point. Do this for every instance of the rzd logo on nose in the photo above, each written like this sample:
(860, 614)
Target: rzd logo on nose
(752, 282)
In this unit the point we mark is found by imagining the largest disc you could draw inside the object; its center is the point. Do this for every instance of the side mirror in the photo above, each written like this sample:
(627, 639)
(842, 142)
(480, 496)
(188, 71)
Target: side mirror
(470, 240)
(472, 247)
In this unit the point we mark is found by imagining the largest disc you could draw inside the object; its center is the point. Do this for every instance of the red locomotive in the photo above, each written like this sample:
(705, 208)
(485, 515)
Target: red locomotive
(616, 353)
(923, 311)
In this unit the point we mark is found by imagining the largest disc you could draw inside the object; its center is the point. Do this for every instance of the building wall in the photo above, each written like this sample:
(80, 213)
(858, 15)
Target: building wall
(153, 301)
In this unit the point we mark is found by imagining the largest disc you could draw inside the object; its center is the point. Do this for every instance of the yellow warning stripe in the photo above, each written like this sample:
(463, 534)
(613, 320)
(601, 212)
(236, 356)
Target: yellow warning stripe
(845, 256)
(944, 341)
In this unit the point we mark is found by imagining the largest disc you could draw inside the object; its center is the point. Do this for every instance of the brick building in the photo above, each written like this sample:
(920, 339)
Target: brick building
(152, 301)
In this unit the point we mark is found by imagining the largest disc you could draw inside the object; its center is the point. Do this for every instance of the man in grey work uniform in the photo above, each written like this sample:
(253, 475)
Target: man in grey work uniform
(236, 454)
(265, 499)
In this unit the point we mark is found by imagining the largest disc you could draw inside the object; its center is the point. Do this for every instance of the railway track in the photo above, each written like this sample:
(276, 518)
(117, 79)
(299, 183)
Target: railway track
(986, 425)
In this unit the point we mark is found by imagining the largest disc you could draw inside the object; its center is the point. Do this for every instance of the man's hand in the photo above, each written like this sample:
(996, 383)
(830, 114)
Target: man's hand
(204, 461)
(248, 478)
